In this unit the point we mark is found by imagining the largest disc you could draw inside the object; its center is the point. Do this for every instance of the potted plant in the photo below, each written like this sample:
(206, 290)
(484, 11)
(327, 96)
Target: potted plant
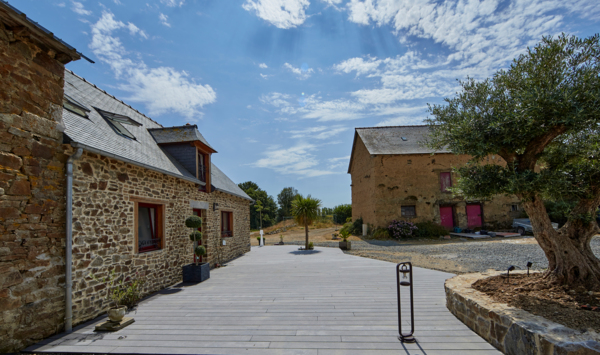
(125, 293)
(281, 239)
(345, 244)
(258, 240)
(196, 272)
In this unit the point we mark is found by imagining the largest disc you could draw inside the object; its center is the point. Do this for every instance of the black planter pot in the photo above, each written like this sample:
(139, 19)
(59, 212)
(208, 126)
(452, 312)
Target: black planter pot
(345, 245)
(196, 273)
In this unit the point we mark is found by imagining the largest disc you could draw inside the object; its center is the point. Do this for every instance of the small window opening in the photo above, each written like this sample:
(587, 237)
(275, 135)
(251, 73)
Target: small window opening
(514, 208)
(74, 106)
(408, 211)
(116, 122)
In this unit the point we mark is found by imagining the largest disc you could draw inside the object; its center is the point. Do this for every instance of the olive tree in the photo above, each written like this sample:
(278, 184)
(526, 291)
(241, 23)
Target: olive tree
(542, 116)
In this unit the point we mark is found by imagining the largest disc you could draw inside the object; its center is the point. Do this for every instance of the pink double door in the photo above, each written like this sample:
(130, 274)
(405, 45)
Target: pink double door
(474, 216)
(447, 216)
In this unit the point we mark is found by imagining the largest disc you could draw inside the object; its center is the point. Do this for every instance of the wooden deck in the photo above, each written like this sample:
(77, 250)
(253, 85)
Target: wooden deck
(276, 300)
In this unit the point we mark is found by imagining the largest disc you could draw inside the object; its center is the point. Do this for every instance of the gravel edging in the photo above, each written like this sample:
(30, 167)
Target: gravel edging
(459, 257)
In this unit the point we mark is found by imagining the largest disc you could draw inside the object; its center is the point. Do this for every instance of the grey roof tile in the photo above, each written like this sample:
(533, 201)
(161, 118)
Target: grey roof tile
(388, 140)
(178, 134)
(95, 132)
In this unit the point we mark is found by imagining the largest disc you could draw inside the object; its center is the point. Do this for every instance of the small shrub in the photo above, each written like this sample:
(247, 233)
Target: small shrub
(200, 250)
(346, 227)
(349, 219)
(357, 226)
(311, 245)
(381, 233)
(344, 234)
(401, 229)
(430, 229)
(196, 236)
(193, 222)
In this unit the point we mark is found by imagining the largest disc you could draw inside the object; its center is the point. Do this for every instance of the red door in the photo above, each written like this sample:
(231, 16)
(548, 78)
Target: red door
(447, 216)
(474, 216)
(199, 214)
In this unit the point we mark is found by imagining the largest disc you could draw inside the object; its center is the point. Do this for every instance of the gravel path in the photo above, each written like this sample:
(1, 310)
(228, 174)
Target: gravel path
(458, 256)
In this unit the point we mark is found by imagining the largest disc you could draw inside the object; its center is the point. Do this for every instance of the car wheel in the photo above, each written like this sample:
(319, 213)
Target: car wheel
(521, 230)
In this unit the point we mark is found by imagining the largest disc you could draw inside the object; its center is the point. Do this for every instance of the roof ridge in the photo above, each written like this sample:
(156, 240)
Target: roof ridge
(121, 101)
(417, 125)
(184, 126)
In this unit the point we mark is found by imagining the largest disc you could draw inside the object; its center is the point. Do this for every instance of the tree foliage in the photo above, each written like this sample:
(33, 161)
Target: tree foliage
(541, 116)
(341, 213)
(305, 211)
(284, 199)
(269, 207)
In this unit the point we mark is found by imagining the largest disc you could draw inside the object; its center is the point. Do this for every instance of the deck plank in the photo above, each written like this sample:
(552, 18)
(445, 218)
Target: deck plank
(276, 301)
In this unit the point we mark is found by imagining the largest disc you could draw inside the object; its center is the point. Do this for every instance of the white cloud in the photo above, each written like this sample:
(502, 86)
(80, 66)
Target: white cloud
(338, 162)
(164, 19)
(304, 72)
(359, 65)
(173, 3)
(262, 66)
(79, 9)
(161, 89)
(320, 132)
(280, 13)
(264, 76)
(61, 4)
(297, 160)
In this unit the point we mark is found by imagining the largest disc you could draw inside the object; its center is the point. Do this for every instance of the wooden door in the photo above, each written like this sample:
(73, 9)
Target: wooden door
(474, 216)
(447, 216)
(201, 214)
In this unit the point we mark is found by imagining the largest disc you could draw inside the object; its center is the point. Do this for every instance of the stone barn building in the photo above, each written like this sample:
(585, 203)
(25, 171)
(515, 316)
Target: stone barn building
(134, 184)
(395, 177)
(75, 161)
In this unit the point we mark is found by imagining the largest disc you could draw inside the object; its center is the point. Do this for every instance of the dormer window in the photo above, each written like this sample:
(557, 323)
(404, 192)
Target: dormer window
(72, 105)
(116, 122)
(202, 166)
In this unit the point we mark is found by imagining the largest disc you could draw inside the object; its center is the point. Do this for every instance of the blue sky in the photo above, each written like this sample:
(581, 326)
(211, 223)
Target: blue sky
(277, 86)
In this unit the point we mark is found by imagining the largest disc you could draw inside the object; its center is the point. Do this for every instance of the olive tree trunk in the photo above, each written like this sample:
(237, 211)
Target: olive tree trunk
(570, 256)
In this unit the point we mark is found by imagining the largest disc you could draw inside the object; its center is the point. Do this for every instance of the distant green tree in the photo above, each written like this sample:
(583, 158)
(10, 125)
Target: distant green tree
(305, 211)
(285, 198)
(269, 207)
(542, 116)
(341, 213)
(326, 211)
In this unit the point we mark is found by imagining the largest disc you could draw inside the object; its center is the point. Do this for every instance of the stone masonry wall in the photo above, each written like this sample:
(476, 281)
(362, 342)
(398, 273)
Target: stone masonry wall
(414, 180)
(511, 330)
(363, 187)
(103, 229)
(32, 192)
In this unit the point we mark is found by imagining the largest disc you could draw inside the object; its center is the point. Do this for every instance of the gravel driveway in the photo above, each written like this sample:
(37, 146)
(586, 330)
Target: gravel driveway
(458, 256)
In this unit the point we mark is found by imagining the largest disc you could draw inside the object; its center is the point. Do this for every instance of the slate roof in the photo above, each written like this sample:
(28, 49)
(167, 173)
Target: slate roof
(96, 135)
(178, 134)
(389, 140)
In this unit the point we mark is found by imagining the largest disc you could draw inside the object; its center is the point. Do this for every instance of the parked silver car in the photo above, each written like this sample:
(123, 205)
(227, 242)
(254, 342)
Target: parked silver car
(524, 225)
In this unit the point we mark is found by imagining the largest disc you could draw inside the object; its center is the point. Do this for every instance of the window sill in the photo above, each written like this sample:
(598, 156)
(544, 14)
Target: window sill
(149, 252)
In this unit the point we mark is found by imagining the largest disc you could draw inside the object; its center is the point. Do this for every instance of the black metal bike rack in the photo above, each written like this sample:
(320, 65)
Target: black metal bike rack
(405, 268)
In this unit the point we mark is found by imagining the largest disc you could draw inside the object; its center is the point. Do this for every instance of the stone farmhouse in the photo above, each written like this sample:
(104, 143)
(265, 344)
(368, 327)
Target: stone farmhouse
(395, 177)
(86, 178)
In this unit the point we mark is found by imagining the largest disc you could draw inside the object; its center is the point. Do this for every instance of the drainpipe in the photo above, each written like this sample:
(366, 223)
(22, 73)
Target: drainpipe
(69, 243)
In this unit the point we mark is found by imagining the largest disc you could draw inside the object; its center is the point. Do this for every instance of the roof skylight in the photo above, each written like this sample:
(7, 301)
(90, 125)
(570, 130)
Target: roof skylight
(116, 121)
(74, 106)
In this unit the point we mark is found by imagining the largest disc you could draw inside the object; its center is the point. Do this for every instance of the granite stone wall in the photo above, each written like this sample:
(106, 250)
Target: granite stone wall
(103, 228)
(511, 330)
(32, 192)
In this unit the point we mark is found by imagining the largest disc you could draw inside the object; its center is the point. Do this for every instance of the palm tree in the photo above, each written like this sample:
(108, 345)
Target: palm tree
(305, 211)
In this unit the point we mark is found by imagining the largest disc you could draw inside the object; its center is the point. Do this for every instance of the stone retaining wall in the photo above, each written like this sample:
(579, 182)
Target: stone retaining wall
(511, 330)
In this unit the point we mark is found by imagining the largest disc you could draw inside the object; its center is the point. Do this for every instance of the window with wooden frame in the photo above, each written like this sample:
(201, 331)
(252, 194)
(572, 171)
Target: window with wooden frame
(408, 211)
(226, 224)
(149, 226)
(445, 181)
(202, 169)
